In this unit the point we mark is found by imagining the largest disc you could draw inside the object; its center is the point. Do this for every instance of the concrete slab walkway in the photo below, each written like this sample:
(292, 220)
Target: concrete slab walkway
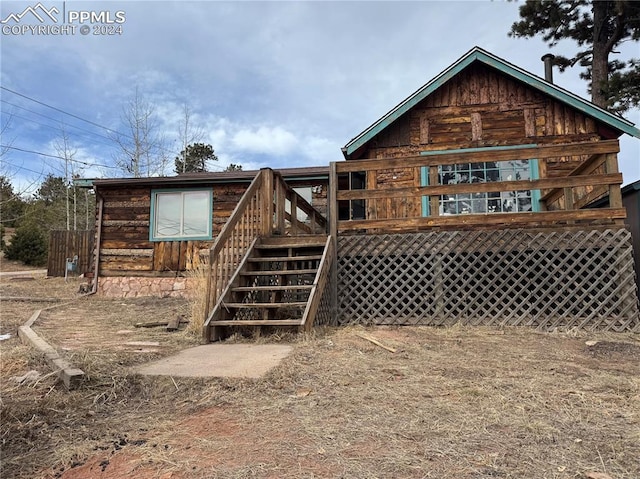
(219, 360)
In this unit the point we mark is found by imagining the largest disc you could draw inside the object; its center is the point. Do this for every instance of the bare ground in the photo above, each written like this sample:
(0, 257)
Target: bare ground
(449, 403)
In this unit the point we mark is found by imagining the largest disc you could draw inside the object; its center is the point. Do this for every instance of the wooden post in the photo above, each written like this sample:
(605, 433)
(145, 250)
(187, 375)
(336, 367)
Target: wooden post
(434, 201)
(267, 198)
(294, 214)
(280, 200)
(207, 305)
(615, 194)
(568, 199)
(333, 231)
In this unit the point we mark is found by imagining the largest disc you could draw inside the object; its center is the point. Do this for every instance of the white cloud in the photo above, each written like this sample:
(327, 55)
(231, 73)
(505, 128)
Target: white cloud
(266, 140)
(278, 84)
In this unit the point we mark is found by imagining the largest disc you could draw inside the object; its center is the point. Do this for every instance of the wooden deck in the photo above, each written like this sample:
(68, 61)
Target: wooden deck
(398, 208)
(400, 260)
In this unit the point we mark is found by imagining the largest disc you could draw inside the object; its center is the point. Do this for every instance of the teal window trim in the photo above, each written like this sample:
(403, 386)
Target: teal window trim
(424, 180)
(152, 218)
(535, 175)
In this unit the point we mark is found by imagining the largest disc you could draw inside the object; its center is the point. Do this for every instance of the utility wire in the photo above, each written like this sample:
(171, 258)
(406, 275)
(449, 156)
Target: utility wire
(59, 129)
(87, 121)
(52, 119)
(41, 173)
(58, 157)
(62, 111)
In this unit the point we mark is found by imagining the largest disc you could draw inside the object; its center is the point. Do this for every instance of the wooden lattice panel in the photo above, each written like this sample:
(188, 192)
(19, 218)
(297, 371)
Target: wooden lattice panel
(325, 315)
(546, 280)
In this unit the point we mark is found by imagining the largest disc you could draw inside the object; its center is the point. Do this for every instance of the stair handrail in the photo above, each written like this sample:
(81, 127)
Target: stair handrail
(283, 191)
(260, 212)
(319, 285)
(248, 221)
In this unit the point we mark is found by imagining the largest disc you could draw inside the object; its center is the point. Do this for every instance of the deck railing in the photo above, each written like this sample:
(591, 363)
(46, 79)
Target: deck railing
(268, 207)
(391, 208)
(320, 287)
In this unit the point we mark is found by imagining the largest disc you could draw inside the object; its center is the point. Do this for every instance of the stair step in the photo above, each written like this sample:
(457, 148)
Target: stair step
(285, 258)
(257, 322)
(291, 287)
(315, 244)
(296, 240)
(279, 272)
(300, 304)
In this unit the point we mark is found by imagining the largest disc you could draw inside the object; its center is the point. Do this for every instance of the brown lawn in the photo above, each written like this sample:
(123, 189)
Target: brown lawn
(449, 403)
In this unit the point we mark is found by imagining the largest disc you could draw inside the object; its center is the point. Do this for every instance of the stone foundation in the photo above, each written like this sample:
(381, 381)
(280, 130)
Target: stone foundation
(134, 287)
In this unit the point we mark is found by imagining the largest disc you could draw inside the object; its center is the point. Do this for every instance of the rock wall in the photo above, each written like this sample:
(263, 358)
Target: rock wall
(133, 287)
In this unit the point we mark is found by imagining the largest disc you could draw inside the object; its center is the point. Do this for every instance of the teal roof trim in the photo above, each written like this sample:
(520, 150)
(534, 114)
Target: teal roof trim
(478, 54)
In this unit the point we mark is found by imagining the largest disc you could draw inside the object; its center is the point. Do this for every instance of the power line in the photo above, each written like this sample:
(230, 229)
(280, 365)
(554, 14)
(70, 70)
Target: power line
(87, 121)
(61, 111)
(52, 119)
(26, 169)
(59, 129)
(58, 157)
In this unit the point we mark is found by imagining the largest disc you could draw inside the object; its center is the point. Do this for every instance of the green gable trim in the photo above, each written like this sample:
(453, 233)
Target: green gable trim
(478, 54)
(83, 182)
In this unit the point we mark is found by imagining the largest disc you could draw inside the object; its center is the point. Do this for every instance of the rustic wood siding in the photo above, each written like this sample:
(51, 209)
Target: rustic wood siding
(125, 248)
(631, 202)
(480, 107)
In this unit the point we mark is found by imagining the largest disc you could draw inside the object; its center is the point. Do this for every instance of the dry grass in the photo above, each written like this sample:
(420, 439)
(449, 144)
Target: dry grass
(465, 403)
(198, 283)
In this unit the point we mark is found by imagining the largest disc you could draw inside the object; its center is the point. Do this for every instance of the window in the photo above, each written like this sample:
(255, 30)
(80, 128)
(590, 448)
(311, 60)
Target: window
(180, 215)
(352, 209)
(478, 203)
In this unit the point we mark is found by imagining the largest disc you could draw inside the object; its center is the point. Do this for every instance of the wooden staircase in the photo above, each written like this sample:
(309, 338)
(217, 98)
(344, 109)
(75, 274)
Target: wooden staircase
(270, 264)
(279, 284)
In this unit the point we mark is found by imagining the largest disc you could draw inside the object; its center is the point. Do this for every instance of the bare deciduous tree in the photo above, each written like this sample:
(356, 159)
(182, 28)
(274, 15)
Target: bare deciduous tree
(188, 133)
(142, 145)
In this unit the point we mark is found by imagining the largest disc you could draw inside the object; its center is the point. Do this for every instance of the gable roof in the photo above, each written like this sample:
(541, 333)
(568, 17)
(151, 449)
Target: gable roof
(480, 55)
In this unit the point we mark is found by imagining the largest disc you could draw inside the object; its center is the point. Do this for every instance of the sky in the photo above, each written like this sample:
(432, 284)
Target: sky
(278, 84)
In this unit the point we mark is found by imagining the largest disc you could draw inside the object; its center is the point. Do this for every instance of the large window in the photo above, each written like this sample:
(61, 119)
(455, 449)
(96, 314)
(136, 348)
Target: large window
(496, 202)
(499, 202)
(180, 215)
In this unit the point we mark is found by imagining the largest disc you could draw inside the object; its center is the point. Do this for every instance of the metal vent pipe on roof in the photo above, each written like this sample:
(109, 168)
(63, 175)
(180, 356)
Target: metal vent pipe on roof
(548, 66)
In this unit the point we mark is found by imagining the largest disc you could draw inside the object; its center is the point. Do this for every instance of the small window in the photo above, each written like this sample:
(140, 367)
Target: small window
(180, 215)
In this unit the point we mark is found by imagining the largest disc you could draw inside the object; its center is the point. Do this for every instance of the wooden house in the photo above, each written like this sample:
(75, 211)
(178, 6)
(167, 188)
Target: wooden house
(468, 202)
(152, 231)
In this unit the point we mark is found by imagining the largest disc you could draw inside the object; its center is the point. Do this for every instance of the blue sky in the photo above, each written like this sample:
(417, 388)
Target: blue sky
(280, 84)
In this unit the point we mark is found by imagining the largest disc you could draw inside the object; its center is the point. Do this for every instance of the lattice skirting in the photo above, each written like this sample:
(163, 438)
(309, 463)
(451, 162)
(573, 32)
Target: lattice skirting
(560, 279)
